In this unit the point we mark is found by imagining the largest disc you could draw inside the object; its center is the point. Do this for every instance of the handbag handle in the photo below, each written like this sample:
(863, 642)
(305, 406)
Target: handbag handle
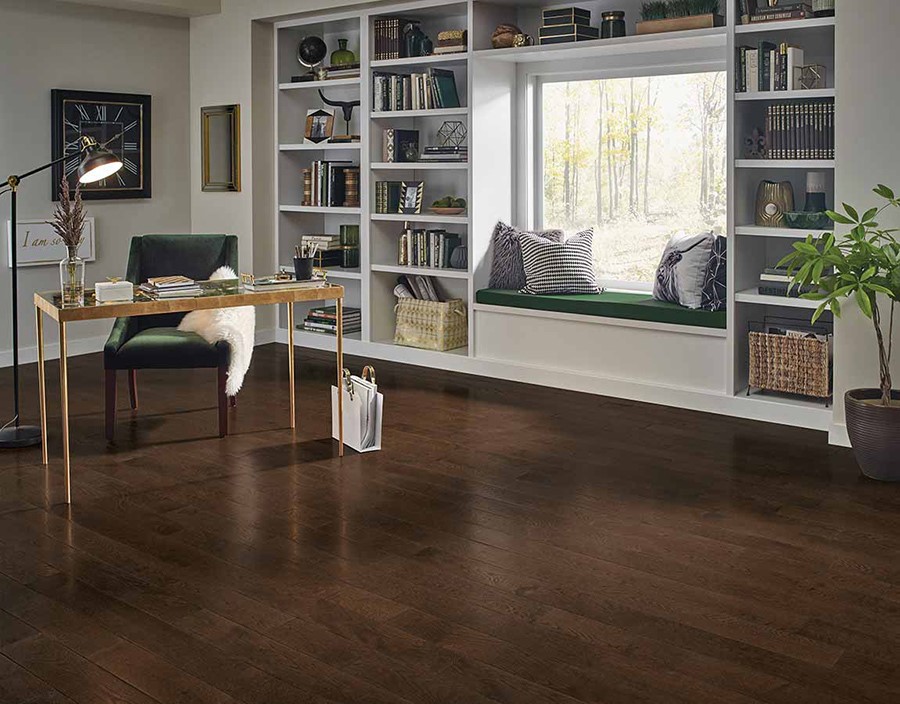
(368, 372)
(346, 375)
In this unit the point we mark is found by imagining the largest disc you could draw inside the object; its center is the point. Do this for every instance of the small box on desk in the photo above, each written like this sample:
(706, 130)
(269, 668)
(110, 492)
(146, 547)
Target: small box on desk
(563, 33)
(567, 15)
(113, 291)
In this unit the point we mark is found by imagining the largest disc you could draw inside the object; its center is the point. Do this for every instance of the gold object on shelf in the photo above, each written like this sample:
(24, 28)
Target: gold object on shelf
(773, 200)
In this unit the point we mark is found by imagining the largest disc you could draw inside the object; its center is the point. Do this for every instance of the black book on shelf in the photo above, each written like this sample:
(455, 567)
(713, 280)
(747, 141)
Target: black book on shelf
(444, 82)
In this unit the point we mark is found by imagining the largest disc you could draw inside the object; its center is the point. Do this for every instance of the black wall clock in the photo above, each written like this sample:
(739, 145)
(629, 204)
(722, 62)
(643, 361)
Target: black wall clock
(120, 117)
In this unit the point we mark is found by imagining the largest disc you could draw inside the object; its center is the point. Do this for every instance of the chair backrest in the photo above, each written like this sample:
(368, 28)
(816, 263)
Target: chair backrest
(194, 256)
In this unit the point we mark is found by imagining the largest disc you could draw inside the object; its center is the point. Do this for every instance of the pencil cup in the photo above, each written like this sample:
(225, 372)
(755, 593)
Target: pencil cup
(303, 268)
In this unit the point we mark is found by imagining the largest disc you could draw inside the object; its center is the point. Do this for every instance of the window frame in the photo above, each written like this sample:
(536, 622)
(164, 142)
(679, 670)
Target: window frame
(532, 81)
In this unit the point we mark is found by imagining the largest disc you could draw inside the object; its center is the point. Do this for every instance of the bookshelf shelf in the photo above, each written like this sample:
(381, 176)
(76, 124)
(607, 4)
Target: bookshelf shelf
(443, 112)
(319, 209)
(424, 218)
(421, 271)
(326, 147)
(753, 297)
(786, 25)
(810, 164)
(411, 62)
(306, 85)
(770, 95)
(775, 232)
(421, 166)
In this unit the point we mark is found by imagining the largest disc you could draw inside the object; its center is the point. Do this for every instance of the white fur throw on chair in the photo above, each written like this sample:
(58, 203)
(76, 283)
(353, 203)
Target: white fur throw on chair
(236, 326)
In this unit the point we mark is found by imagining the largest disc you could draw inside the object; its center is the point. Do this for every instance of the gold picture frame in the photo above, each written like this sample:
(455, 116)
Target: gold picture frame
(220, 129)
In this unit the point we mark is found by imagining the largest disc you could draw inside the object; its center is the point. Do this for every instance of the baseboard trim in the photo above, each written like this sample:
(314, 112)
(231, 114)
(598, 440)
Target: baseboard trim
(837, 435)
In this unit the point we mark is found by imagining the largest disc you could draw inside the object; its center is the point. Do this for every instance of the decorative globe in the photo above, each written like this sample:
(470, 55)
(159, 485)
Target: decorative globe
(312, 51)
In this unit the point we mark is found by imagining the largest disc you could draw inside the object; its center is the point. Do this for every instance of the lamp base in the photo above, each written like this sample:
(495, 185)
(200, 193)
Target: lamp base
(23, 436)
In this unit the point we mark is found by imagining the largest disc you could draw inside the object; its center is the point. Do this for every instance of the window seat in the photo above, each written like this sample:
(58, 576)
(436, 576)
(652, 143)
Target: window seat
(610, 304)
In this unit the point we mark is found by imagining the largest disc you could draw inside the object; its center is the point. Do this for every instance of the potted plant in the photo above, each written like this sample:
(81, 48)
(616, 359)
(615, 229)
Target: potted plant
(678, 15)
(864, 265)
(68, 223)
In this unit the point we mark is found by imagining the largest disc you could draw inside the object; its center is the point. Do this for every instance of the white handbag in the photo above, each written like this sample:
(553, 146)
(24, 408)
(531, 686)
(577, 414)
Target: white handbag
(363, 407)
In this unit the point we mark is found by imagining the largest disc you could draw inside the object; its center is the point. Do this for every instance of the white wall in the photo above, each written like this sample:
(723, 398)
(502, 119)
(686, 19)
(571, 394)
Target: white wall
(47, 45)
(868, 149)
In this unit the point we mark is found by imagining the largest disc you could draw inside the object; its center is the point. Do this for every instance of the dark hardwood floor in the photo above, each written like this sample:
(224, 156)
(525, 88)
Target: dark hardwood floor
(510, 544)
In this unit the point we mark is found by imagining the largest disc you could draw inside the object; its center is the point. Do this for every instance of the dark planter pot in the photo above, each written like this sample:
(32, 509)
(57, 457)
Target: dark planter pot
(875, 434)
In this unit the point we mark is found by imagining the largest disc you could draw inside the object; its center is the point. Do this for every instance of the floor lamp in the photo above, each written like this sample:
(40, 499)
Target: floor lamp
(96, 164)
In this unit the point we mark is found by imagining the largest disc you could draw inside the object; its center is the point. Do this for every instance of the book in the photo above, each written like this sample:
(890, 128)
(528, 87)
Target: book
(781, 15)
(400, 145)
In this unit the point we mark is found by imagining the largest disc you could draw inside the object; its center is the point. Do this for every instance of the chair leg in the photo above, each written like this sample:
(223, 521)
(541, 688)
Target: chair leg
(232, 401)
(132, 388)
(110, 404)
(223, 401)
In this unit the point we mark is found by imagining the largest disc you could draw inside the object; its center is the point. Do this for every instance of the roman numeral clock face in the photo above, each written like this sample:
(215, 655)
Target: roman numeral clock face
(122, 122)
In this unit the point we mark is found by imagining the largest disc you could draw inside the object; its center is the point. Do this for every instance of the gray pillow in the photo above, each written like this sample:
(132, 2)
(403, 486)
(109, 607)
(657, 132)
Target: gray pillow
(682, 269)
(559, 268)
(507, 271)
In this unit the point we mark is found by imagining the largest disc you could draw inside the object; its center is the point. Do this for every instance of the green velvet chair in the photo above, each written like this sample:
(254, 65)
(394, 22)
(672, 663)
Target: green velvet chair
(154, 341)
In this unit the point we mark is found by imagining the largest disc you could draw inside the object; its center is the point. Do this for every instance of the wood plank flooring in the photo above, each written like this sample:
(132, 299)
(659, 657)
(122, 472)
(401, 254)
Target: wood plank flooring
(511, 544)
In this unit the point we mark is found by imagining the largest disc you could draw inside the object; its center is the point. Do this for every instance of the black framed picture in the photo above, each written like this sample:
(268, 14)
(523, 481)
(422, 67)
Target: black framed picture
(120, 119)
(411, 193)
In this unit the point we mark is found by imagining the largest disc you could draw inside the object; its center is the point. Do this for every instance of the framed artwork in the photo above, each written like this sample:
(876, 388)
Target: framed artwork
(37, 243)
(319, 126)
(220, 129)
(411, 193)
(122, 120)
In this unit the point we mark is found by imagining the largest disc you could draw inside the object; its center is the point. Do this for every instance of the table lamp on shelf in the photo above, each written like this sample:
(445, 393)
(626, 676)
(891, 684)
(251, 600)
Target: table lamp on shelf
(96, 164)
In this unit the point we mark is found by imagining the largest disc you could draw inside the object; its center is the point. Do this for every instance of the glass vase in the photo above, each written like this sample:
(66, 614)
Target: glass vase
(71, 279)
(342, 56)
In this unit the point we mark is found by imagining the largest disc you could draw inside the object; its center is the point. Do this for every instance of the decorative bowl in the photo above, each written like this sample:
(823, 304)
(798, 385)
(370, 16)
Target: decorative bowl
(447, 211)
(807, 221)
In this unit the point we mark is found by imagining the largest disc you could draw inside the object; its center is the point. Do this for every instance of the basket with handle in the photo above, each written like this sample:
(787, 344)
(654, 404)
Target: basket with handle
(431, 325)
(792, 365)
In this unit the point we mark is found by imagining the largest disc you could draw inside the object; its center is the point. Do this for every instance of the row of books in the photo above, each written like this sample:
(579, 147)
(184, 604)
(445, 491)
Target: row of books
(431, 248)
(768, 67)
(800, 130)
(754, 11)
(387, 196)
(331, 184)
(433, 90)
(455, 154)
(389, 40)
(166, 287)
(324, 319)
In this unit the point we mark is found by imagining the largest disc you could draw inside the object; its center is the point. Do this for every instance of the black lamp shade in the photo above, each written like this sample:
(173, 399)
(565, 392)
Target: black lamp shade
(97, 164)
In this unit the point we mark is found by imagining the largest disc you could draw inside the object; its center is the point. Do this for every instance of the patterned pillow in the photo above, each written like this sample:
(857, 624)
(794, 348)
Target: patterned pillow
(559, 267)
(507, 271)
(681, 272)
(715, 282)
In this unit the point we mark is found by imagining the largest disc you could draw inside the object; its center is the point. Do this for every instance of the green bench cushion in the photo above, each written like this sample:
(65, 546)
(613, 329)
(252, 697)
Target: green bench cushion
(626, 306)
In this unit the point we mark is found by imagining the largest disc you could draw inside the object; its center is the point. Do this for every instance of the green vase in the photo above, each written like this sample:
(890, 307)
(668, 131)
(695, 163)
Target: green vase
(342, 56)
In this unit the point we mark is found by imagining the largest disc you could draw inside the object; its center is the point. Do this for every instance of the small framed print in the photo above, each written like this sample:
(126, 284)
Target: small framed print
(411, 193)
(319, 126)
(37, 243)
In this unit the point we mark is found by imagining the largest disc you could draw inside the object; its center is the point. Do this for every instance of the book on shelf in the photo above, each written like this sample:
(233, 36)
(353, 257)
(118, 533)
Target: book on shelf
(800, 130)
(433, 90)
(388, 38)
(768, 67)
(323, 243)
(400, 146)
(324, 319)
(444, 154)
(452, 41)
(387, 197)
(754, 11)
(427, 248)
(325, 184)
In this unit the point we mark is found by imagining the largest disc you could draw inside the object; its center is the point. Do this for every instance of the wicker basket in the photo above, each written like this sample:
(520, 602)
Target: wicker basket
(790, 365)
(430, 325)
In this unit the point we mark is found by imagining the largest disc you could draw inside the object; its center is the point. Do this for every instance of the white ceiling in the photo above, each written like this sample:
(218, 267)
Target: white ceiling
(176, 8)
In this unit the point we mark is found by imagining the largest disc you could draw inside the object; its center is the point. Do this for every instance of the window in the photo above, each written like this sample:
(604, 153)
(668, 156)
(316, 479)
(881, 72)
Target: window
(637, 159)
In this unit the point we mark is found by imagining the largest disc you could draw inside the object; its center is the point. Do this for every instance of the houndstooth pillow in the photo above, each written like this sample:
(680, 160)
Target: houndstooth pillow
(506, 267)
(559, 267)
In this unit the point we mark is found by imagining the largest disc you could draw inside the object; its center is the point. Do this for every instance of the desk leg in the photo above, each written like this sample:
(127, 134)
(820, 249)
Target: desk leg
(64, 407)
(42, 382)
(290, 312)
(340, 374)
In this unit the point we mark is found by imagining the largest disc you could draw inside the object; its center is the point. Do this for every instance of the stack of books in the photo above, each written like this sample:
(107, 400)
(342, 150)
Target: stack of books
(165, 287)
(284, 282)
(334, 73)
(448, 153)
(567, 24)
(327, 247)
(753, 11)
(325, 320)
(387, 196)
(388, 38)
(452, 41)
(433, 90)
(325, 184)
(774, 281)
(797, 130)
(427, 248)
(768, 67)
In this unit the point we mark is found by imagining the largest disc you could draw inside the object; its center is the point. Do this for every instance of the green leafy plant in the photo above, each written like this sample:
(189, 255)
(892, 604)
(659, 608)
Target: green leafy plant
(860, 265)
(665, 9)
(655, 10)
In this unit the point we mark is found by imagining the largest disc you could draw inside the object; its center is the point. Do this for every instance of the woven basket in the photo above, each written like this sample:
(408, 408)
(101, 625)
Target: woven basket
(430, 325)
(790, 365)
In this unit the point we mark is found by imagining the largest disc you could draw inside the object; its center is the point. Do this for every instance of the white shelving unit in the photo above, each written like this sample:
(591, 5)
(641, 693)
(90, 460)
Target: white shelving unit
(753, 248)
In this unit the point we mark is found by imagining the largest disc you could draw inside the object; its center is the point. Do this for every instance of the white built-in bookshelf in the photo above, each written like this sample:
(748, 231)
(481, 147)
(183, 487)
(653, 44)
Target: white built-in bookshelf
(489, 83)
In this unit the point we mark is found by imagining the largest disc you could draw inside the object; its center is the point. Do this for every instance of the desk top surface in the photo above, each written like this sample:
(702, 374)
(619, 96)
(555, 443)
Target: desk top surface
(50, 302)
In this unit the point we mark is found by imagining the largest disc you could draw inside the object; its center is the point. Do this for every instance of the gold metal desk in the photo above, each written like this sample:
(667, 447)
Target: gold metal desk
(50, 304)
